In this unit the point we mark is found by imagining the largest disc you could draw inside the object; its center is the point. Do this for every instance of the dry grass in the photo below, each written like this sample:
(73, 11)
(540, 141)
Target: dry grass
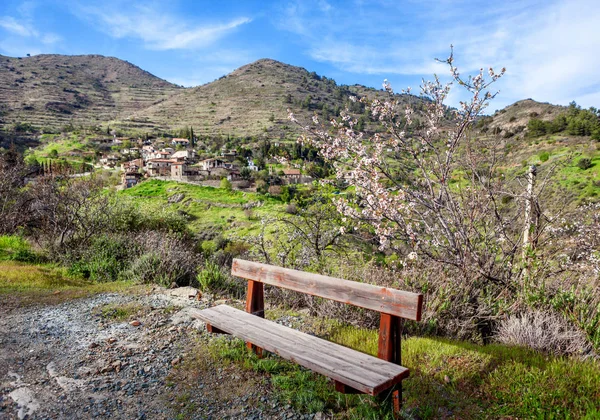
(25, 284)
(543, 331)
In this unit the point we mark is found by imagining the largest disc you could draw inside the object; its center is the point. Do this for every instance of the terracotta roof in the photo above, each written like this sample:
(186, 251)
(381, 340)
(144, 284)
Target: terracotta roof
(291, 171)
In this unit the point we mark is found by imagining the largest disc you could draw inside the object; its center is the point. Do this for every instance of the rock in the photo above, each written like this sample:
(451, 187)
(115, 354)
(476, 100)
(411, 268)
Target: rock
(117, 365)
(187, 292)
(93, 345)
(135, 323)
(111, 340)
(176, 198)
(175, 361)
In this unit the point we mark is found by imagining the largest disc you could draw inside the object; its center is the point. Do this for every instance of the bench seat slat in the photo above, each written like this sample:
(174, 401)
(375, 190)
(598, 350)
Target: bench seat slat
(353, 368)
(382, 299)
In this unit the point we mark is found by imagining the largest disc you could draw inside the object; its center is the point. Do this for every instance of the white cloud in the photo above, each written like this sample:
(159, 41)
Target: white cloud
(159, 31)
(11, 24)
(549, 48)
(23, 37)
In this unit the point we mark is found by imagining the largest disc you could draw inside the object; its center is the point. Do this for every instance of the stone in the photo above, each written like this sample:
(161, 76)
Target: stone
(135, 323)
(187, 292)
(117, 365)
(111, 340)
(175, 361)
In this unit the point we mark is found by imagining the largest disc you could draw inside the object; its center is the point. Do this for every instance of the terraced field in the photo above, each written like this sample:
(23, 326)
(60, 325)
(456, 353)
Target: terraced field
(52, 91)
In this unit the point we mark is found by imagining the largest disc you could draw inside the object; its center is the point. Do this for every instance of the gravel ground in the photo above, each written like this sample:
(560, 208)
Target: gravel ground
(70, 361)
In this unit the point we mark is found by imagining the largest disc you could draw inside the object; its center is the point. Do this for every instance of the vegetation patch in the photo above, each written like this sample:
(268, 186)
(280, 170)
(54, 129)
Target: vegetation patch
(47, 284)
(122, 311)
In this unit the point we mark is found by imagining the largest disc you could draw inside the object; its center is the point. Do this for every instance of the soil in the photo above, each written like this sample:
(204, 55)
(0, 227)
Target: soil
(84, 359)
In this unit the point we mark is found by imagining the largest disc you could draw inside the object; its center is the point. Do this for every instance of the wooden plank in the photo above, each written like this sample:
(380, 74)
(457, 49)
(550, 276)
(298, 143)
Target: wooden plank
(357, 370)
(382, 299)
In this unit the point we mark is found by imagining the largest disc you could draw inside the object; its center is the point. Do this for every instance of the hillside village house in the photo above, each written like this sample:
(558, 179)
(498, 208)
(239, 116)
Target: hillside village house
(109, 161)
(212, 163)
(133, 165)
(229, 155)
(183, 155)
(180, 142)
(180, 170)
(129, 179)
(159, 167)
(292, 176)
(147, 152)
(252, 166)
(131, 151)
(163, 154)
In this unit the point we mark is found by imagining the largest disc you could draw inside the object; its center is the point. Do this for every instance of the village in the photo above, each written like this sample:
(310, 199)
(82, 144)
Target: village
(178, 159)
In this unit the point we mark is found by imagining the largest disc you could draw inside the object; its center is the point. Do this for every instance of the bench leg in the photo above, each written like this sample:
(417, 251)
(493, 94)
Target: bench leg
(345, 389)
(214, 330)
(255, 304)
(390, 336)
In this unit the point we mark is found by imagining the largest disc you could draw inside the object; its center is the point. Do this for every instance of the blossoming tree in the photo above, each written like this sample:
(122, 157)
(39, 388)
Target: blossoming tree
(426, 186)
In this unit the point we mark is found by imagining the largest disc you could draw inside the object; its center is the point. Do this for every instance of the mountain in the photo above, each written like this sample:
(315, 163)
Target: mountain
(250, 101)
(53, 91)
(50, 91)
(513, 119)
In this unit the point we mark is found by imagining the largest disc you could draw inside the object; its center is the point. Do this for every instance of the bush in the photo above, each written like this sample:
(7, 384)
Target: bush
(103, 260)
(543, 331)
(163, 259)
(226, 184)
(584, 163)
(211, 277)
(544, 156)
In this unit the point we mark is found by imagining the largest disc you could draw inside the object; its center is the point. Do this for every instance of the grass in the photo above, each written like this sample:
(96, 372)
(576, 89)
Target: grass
(13, 247)
(449, 379)
(207, 207)
(120, 311)
(23, 284)
(61, 145)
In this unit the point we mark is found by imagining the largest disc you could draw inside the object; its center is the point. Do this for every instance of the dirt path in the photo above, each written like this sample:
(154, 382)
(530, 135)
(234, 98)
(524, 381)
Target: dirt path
(79, 359)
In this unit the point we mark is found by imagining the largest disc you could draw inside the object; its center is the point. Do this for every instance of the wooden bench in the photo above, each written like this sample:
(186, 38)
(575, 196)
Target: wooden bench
(352, 371)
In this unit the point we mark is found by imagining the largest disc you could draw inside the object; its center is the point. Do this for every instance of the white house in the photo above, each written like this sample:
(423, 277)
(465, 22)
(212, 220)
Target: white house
(180, 142)
(211, 163)
(251, 165)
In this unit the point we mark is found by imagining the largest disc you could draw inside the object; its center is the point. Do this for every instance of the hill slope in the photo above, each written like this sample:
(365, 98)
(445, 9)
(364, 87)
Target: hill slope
(50, 91)
(514, 118)
(250, 101)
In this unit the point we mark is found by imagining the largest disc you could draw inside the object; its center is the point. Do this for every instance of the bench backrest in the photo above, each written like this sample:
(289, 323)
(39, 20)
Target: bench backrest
(382, 299)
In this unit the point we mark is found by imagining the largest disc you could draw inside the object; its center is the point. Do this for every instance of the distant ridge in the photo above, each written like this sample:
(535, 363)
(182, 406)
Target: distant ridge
(51, 91)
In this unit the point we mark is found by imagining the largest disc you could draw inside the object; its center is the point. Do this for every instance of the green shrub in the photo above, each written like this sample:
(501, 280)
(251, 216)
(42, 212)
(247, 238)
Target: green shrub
(211, 277)
(16, 248)
(103, 260)
(544, 156)
(584, 163)
(226, 184)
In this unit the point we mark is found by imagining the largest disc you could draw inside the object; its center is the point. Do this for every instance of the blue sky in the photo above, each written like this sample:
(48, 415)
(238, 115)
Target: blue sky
(551, 48)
